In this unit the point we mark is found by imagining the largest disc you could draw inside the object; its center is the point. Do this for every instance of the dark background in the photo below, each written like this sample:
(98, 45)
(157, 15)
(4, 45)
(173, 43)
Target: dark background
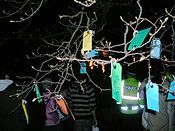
(18, 40)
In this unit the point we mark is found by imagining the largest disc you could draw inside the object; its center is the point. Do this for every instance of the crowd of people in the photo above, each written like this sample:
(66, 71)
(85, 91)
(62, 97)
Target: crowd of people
(84, 106)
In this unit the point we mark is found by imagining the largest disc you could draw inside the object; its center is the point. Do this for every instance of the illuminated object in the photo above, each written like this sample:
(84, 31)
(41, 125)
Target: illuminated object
(87, 40)
(91, 64)
(130, 92)
(25, 111)
(103, 68)
(155, 48)
(86, 3)
(142, 106)
(131, 103)
(152, 96)
(135, 107)
(138, 38)
(124, 108)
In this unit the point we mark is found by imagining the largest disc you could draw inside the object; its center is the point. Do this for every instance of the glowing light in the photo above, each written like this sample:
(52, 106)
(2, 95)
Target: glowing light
(91, 64)
(134, 107)
(103, 68)
(124, 108)
(141, 106)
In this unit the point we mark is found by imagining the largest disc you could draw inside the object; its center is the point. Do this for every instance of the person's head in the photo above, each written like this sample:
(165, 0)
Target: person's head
(105, 54)
(131, 74)
(47, 83)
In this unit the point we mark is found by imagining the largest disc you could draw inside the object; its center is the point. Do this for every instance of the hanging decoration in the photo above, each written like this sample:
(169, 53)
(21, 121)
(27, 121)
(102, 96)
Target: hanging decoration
(39, 98)
(24, 102)
(62, 104)
(116, 78)
(152, 96)
(138, 38)
(155, 48)
(171, 93)
(87, 40)
(92, 53)
(83, 68)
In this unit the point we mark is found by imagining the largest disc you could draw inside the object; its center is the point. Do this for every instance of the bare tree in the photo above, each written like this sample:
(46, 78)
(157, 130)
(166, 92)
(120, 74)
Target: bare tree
(19, 11)
(58, 55)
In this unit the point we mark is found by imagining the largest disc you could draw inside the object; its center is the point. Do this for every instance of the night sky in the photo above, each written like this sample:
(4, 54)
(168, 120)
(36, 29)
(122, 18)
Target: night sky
(18, 39)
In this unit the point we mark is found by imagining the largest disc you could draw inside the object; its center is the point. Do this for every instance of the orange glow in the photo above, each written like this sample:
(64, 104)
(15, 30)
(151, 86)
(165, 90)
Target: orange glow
(103, 68)
(91, 64)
